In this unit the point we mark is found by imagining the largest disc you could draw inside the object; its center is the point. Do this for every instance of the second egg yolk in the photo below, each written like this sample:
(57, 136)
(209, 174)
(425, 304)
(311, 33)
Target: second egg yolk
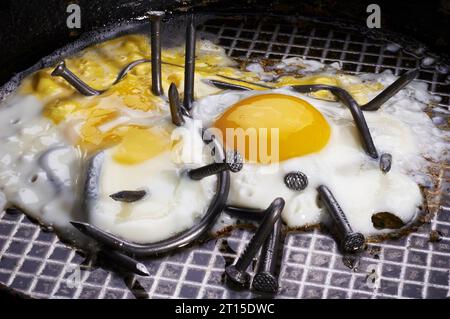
(299, 128)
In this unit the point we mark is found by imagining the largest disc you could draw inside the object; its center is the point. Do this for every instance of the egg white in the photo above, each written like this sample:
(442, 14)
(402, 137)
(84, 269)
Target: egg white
(173, 202)
(31, 148)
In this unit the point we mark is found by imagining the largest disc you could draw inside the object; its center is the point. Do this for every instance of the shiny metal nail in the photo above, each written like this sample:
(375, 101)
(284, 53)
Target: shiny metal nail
(119, 259)
(233, 163)
(350, 241)
(64, 72)
(266, 278)
(189, 64)
(237, 272)
(352, 105)
(125, 262)
(385, 162)
(155, 41)
(359, 120)
(175, 106)
(296, 181)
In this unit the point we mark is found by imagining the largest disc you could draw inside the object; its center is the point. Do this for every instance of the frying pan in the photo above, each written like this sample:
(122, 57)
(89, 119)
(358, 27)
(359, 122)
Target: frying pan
(35, 262)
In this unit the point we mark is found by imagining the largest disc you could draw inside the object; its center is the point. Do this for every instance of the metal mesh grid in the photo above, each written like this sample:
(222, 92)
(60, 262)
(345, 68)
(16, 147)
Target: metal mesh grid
(35, 262)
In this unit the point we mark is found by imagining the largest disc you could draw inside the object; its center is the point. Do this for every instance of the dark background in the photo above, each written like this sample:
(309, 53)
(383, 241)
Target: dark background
(34, 28)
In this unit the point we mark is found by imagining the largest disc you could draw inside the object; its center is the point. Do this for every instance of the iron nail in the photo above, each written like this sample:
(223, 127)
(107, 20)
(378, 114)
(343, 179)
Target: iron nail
(121, 260)
(266, 279)
(390, 91)
(128, 196)
(296, 181)
(43, 161)
(351, 242)
(244, 213)
(125, 262)
(233, 163)
(355, 110)
(385, 162)
(155, 41)
(99, 235)
(175, 106)
(189, 64)
(127, 68)
(237, 272)
(226, 86)
(263, 86)
(63, 71)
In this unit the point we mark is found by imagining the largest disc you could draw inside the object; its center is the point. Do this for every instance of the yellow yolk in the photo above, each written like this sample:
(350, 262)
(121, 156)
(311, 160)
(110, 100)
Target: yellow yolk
(98, 66)
(139, 145)
(302, 129)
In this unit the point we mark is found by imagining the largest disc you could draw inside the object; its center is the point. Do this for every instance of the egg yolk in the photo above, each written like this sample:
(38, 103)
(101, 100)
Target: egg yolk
(299, 128)
(140, 144)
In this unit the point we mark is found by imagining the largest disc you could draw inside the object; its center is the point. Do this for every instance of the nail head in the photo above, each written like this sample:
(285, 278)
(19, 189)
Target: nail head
(385, 162)
(265, 282)
(234, 161)
(296, 181)
(353, 243)
(59, 69)
(242, 278)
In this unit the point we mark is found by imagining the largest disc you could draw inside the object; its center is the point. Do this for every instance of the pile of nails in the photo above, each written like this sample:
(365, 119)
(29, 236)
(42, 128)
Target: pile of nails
(267, 239)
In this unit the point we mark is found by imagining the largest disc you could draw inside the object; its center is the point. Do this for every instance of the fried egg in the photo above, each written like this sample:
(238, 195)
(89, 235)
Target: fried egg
(173, 202)
(320, 139)
(49, 132)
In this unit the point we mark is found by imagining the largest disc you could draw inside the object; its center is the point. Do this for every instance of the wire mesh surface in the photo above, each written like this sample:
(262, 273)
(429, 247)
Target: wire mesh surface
(35, 262)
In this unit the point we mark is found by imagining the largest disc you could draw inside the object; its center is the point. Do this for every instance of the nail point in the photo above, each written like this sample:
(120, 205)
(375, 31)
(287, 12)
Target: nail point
(175, 106)
(79, 225)
(142, 270)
